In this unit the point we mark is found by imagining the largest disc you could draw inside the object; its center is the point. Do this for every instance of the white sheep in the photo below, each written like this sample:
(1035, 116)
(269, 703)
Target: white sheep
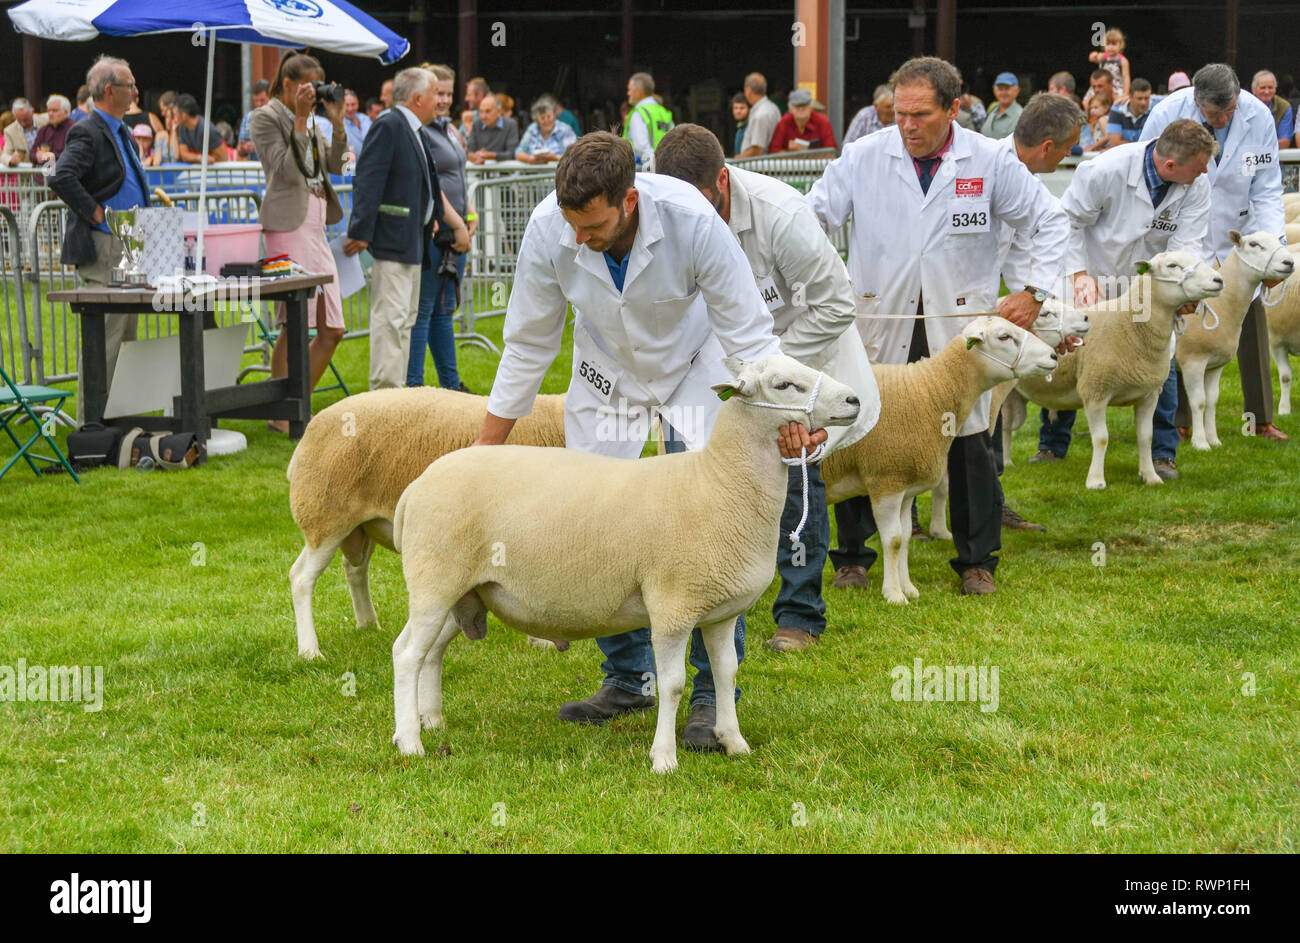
(1284, 331)
(1291, 206)
(1210, 342)
(353, 463)
(1293, 233)
(1126, 359)
(922, 407)
(565, 544)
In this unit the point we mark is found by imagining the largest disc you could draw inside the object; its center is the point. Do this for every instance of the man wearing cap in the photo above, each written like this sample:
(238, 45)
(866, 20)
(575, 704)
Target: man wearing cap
(1178, 80)
(1002, 119)
(801, 128)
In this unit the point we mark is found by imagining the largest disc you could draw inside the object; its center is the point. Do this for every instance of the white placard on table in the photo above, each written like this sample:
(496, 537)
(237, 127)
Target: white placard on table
(148, 372)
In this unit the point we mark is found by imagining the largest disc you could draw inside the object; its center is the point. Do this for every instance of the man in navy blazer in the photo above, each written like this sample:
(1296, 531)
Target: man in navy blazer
(98, 170)
(396, 203)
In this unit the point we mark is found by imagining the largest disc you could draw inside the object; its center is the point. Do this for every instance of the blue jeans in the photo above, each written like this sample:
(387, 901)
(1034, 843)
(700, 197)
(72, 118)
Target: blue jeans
(433, 325)
(1054, 436)
(799, 603)
(630, 659)
(1164, 426)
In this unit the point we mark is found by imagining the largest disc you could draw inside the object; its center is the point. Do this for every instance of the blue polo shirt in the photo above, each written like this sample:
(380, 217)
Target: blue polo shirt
(1123, 123)
(131, 193)
(617, 270)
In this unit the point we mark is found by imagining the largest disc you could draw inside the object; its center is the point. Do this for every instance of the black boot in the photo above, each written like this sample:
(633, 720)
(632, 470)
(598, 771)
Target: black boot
(699, 734)
(606, 704)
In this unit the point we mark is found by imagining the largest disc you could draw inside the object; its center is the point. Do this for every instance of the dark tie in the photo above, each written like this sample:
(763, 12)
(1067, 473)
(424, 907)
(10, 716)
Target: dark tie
(927, 166)
(1209, 127)
(133, 162)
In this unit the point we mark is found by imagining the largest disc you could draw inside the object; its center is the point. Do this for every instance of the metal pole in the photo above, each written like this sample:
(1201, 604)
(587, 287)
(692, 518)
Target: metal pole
(946, 31)
(245, 78)
(203, 165)
(1230, 35)
(467, 38)
(835, 68)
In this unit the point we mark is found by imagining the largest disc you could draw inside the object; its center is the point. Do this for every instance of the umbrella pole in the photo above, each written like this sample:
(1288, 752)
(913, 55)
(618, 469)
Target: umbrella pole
(203, 165)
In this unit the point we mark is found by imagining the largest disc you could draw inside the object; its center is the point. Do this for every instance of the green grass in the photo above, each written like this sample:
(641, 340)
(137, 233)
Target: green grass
(1119, 684)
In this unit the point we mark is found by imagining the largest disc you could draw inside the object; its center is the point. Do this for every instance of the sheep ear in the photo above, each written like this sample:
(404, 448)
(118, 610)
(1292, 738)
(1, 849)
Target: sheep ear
(1142, 266)
(972, 341)
(1235, 237)
(725, 390)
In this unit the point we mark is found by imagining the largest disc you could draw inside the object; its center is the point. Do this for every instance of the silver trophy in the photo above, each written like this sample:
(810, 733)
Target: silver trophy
(126, 227)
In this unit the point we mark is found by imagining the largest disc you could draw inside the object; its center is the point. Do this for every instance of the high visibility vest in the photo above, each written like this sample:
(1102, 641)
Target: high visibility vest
(658, 120)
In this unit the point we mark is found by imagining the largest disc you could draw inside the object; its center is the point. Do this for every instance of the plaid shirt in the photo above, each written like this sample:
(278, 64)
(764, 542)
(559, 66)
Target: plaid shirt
(534, 143)
(866, 121)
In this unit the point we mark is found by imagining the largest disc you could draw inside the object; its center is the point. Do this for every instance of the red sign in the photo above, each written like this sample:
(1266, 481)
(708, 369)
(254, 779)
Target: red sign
(970, 186)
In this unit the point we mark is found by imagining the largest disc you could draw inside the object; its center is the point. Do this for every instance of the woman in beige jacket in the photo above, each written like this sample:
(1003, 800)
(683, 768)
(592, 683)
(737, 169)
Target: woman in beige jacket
(299, 201)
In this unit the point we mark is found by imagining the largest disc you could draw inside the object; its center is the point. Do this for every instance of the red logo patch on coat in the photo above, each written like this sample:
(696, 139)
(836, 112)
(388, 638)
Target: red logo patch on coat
(970, 186)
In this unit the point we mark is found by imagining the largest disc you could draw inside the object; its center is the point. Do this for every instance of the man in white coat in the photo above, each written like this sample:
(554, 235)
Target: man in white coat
(1126, 205)
(923, 256)
(1245, 195)
(661, 292)
(806, 287)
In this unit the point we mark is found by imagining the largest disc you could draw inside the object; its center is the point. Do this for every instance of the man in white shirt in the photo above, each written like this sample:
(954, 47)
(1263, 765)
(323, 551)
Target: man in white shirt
(661, 292)
(807, 289)
(1245, 195)
(764, 116)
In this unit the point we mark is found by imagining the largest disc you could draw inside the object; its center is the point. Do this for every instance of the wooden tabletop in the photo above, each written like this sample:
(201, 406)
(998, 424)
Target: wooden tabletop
(266, 287)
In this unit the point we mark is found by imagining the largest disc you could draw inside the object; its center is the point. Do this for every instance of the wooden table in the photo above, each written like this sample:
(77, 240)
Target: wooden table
(198, 408)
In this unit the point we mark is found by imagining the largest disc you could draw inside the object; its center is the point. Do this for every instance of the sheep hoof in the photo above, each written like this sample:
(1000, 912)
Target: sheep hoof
(1096, 484)
(1153, 480)
(371, 623)
(1215, 442)
(895, 597)
(1284, 409)
(911, 591)
(310, 653)
(735, 746)
(536, 642)
(1201, 446)
(413, 748)
(665, 763)
(943, 534)
(432, 721)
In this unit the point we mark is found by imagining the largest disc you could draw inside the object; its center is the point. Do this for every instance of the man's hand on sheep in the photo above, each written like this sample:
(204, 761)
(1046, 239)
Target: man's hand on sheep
(1085, 290)
(1020, 309)
(495, 430)
(795, 437)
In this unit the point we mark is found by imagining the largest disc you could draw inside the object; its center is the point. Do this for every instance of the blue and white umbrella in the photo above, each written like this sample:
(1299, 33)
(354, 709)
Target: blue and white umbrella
(331, 25)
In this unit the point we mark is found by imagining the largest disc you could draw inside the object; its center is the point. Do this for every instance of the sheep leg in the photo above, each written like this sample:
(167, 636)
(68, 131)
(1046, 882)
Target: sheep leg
(720, 643)
(1006, 441)
(429, 691)
(888, 511)
(1194, 380)
(423, 627)
(304, 573)
(1143, 417)
(1211, 404)
(357, 548)
(1095, 410)
(938, 511)
(1283, 379)
(905, 523)
(670, 679)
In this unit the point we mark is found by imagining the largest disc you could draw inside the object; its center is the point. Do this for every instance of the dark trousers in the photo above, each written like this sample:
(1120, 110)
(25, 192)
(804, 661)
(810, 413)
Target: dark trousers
(1054, 434)
(974, 500)
(799, 603)
(1256, 370)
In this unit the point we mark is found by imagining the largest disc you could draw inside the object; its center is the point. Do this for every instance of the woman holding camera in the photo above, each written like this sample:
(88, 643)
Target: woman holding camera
(439, 283)
(299, 201)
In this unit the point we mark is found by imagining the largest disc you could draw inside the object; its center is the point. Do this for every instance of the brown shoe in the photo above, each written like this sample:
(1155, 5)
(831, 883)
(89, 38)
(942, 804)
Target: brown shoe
(1166, 468)
(1270, 431)
(847, 577)
(1045, 455)
(918, 532)
(1184, 433)
(791, 640)
(1013, 521)
(977, 581)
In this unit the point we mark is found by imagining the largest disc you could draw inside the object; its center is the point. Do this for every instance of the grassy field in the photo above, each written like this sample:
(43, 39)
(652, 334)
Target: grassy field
(1148, 703)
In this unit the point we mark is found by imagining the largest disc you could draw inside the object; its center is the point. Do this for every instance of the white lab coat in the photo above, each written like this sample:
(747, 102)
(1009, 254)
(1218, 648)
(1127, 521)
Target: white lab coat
(1246, 179)
(688, 300)
(940, 246)
(1113, 223)
(806, 287)
(1016, 265)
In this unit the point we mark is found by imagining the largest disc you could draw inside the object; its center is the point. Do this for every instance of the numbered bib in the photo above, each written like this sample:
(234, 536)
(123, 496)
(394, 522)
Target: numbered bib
(1253, 162)
(771, 294)
(969, 216)
(1163, 225)
(594, 372)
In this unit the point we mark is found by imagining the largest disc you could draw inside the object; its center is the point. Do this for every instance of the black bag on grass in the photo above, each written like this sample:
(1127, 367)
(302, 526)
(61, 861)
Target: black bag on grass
(94, 445)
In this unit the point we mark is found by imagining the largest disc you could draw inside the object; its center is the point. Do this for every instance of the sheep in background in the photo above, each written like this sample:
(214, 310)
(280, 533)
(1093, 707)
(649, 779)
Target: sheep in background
(353, 463)
(565, 544)
(922, 406)
(1284, 331)
(1202, 352)
(1126, 359)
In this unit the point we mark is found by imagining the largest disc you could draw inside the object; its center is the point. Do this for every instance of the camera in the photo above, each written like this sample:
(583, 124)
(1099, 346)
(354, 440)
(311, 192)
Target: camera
(326, 92)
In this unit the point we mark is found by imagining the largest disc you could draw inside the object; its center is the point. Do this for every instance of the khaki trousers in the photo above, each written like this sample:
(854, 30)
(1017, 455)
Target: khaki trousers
(117, 327)
(394, 303)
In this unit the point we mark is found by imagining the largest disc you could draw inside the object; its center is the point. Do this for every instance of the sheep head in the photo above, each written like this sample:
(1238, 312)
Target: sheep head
(1011, 351)
(1057, 320)
(785, 387)
(1179, 277)
(1264, 254)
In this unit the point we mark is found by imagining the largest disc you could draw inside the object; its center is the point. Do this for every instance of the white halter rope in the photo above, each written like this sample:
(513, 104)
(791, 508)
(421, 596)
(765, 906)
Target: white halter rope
(1180, 325)
(804, 457)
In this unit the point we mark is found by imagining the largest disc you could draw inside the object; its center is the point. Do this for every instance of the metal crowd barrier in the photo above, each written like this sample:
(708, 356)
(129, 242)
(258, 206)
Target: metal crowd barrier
(15, 349)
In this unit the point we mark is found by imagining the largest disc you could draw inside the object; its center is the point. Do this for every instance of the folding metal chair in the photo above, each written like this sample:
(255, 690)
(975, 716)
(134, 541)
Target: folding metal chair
(268, 337)
(21, 399)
